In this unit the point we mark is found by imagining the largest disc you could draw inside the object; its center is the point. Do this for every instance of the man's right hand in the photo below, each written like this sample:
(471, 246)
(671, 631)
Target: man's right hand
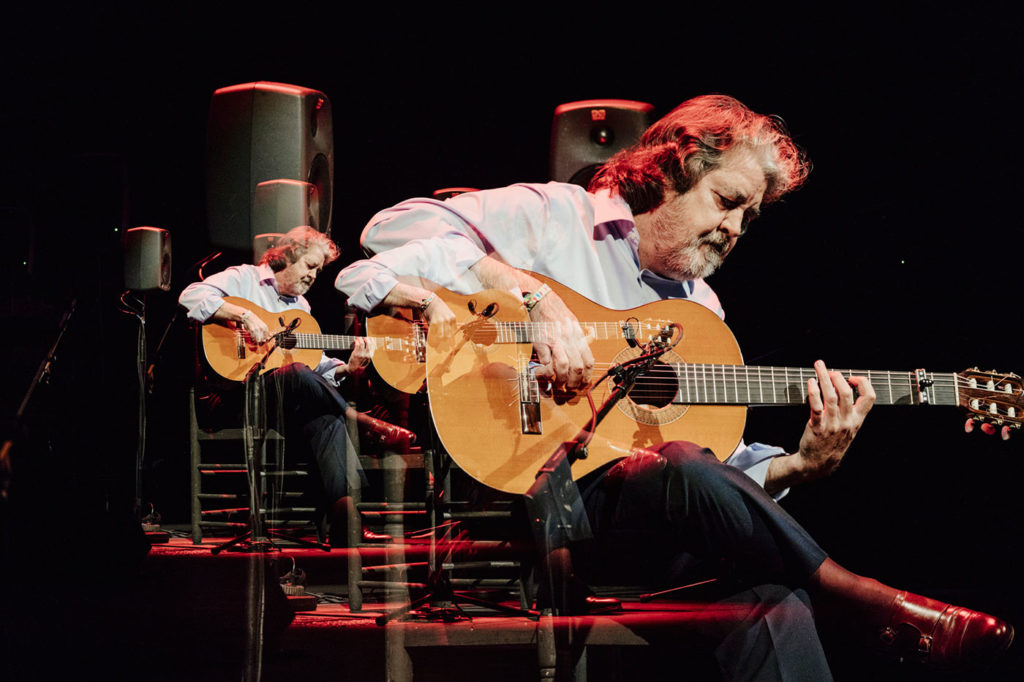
(563, 349)
(440, 317)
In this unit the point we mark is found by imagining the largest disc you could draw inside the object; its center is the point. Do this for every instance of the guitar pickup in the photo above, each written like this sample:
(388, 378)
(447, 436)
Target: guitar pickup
(529, 402)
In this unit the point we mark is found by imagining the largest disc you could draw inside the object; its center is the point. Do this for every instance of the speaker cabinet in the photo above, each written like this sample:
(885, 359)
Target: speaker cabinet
(585, 134)
(449, 192)
(147, 259)
(280, 205)
(259, 132)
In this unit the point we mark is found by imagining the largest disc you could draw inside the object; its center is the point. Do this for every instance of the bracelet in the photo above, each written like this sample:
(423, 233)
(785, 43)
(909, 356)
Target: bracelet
(245, 316)
(531, 299)
(425, 303)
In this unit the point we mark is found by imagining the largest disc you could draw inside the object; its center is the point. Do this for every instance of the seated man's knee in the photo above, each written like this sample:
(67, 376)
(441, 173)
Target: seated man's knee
(688, 457)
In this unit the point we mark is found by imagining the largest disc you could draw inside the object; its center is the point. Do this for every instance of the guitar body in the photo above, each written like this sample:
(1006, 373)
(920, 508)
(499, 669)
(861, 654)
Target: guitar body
(474, 385)
(398, 365)
(232, 356)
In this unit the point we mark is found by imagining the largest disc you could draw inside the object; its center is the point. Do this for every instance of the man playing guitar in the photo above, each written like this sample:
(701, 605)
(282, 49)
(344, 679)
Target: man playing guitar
(307, 398)
(658, 219)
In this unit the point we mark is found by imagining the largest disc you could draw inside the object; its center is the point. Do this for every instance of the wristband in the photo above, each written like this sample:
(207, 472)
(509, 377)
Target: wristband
(425, 303)
(531, 299)
(245, 316)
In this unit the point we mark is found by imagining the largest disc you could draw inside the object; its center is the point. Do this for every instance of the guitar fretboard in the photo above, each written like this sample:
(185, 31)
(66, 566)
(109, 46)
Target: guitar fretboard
(756, 385)
(324, 341)
(529, 332)
(334, 342)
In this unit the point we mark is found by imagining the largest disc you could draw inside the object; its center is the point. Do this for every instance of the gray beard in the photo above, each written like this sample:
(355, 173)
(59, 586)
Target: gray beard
(697, 261)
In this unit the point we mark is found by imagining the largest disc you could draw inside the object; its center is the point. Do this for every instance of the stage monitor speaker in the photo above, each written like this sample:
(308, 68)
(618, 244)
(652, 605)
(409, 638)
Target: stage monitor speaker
(587, 133)
(265, 131)
(262, 242)
(147, 259)
(449, 192)
(279, 206)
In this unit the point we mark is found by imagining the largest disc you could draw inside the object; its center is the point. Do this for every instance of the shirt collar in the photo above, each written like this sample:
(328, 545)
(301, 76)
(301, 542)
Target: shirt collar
(610, 207)
(266, 278)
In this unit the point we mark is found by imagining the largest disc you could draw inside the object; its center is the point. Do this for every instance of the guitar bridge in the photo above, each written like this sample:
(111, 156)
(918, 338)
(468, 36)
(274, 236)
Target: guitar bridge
(529, 402)
(419, 340)
(240, 345)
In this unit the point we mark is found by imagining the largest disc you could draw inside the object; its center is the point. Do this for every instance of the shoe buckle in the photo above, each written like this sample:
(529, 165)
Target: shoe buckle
(924, 645)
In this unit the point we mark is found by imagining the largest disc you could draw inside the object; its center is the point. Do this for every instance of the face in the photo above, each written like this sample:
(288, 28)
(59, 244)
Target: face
(297, 278)
(690, 234)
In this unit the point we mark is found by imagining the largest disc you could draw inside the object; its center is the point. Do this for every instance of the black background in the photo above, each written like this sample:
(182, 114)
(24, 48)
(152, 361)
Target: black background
(901, 251)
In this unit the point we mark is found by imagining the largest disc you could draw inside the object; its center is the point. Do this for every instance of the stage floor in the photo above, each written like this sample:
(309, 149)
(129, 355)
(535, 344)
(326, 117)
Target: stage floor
(191, 614)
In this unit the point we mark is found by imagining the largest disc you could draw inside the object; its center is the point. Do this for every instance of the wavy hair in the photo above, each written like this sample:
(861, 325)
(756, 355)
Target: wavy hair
(690, 141)
(294, 245)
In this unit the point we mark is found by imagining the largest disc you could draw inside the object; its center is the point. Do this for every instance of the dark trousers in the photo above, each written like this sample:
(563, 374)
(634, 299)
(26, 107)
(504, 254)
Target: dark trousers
(311, 414)
(680, 516)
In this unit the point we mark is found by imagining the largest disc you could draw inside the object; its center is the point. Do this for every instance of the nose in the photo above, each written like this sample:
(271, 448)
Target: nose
(732, 223)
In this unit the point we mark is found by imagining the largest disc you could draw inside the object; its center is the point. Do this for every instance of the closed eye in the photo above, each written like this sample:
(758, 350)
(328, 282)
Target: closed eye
(728, 203)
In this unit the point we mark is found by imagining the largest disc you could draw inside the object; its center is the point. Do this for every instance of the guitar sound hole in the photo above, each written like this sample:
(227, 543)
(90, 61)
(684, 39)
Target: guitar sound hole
(655, 388)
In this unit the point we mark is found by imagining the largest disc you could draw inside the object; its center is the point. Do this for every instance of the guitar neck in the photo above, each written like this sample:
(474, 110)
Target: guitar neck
(757, 385)
(751, 384)
(323, 341)
(339, 342)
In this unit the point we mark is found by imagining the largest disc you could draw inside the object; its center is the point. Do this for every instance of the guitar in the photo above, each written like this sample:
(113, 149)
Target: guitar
(297, 338)
(500, 424)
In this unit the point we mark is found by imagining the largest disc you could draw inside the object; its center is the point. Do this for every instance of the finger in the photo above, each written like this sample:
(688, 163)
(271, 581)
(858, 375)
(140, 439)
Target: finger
(588, 363)
(543, 352)
(574, 364)
(560, 363)
(865, 394)
(844, 391)
(828, 391)
(814, 401)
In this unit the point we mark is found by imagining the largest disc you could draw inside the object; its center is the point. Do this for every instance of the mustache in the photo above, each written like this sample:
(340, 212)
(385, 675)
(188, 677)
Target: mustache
(717, 240)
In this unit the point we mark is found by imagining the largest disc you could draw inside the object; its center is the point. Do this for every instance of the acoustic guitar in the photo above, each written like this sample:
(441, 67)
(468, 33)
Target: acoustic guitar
(297, 338)
(500, 424)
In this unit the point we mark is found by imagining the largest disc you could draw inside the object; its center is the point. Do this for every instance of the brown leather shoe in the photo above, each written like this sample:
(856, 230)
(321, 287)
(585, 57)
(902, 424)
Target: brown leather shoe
(370, 536)
(594, 605)
(941, 635)
(392, 437)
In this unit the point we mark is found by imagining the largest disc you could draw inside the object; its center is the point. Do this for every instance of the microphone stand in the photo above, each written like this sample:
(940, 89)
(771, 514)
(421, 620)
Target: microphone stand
(553, 501)
(253, 540)
(42, 376)
(257, 538)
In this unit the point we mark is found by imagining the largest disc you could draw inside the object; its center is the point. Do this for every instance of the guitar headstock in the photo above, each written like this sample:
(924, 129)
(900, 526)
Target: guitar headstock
(994, 399)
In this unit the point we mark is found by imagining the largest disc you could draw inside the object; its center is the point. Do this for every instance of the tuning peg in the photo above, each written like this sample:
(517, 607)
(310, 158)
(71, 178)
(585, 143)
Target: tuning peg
(969, 426)
(989, 429)
(1004, 433)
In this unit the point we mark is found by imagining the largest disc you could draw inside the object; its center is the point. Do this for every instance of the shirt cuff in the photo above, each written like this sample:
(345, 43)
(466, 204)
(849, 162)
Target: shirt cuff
(754, 460)
(369, 294)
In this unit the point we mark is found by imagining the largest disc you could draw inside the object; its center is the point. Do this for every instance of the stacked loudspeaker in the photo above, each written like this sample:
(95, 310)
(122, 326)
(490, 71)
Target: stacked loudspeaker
(585, 134)
(269, 163)
(147, 259)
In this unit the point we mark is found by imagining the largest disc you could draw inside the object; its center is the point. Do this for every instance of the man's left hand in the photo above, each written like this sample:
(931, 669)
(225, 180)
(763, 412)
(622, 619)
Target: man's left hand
(835, 418)
(362, 353)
